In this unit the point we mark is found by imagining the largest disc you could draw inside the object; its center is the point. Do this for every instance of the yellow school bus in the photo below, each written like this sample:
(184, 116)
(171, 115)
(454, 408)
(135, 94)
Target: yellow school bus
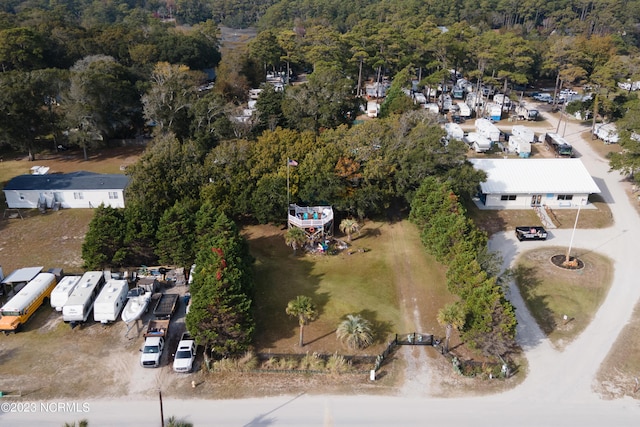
(21, 307)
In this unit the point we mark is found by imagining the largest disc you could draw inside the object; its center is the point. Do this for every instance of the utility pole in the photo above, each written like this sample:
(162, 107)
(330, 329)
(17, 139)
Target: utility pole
(161, 410)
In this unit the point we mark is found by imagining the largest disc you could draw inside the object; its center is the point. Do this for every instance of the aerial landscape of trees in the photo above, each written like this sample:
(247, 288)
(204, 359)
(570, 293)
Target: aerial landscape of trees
(82, 75)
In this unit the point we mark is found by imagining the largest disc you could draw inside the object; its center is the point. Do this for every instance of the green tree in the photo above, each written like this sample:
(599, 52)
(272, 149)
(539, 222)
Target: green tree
(100, 102)
(305, 310)
(103, 244)
(220, 315)
(296, 238)
(451, 316)
(27, 109)
(81, 423)
(172, 92)
(326, 101)
(21, 49)
(355, 331)
(177, 234)
(349, 226)
(175, 422)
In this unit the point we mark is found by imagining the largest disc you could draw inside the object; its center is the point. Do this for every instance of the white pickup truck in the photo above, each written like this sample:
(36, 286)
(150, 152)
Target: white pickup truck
(154, 343)
(185, 354)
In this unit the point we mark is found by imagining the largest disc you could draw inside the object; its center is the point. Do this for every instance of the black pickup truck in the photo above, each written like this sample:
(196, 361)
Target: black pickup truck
(531, 233)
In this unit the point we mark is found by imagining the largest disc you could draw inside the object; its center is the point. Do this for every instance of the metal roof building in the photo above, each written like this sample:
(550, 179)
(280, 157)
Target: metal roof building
(69, 190)
(522, 183)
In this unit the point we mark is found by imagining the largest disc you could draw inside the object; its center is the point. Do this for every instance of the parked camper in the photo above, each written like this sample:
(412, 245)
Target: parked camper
(434, 108)
(524, 133)
(527, 113)
(80, 302)
(419, 98)
(478, 142)
(494, 112)
(503, 101)
(21, 307)
(373, 108)
(519, 146)
(111, 300)
(465, 111)
(607, 132)
(487, 129)
(61, 292)
(454, 131)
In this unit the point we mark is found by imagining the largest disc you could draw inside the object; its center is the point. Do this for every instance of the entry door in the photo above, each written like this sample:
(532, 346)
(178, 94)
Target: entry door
(536, 200)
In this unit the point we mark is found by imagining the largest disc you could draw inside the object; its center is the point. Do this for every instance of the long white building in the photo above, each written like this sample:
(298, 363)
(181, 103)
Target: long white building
(527, 183)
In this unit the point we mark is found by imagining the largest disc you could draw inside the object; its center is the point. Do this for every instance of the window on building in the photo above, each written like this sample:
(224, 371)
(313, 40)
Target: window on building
(78, 196)
(113, 195)
(565, 196)
(508, 197)
(21, 196)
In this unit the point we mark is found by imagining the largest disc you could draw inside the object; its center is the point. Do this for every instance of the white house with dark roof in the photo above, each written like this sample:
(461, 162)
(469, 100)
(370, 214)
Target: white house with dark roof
(526, 183)
(71, 190)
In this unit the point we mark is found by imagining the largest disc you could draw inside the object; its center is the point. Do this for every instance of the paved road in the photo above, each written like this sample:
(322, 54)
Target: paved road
(557, 390)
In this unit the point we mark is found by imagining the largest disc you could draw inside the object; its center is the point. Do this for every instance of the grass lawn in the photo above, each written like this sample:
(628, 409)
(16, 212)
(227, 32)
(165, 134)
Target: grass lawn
(372, 283)
(551, 292)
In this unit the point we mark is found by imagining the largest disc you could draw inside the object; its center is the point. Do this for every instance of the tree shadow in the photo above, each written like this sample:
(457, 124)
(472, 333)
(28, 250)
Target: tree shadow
(319, 338)
(380, 329)
(537, 305)
(280, 278)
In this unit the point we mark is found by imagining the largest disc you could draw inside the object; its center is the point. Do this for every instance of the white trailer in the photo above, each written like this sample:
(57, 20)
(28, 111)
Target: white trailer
(373, 108)
(111, 301)
(487, 129)
(478, 142)
(494, 112)
(519, 146)
(454, 131)
(80, 303)
(502, 100)
(524, 133)
(61, 292)
(607, 132)
(465, 111)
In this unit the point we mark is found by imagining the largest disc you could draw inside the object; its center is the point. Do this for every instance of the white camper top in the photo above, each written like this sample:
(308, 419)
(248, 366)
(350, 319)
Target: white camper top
(81, 295)
(111, 292)
(63, 289)
(110, 301)
(487, 129)
(524, 132)
(454, 131)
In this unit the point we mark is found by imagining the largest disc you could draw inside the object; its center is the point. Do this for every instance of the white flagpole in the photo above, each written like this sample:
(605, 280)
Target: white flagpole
(288, 185)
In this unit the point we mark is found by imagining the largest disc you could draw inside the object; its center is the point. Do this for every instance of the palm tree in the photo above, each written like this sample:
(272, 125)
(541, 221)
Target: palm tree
(349, 226)
(295, 237)
(355, 332)
(451, 316)
(303, 308)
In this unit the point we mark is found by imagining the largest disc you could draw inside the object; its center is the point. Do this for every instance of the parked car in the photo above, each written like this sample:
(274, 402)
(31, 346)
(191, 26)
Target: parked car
(531, 233)
(185, 354)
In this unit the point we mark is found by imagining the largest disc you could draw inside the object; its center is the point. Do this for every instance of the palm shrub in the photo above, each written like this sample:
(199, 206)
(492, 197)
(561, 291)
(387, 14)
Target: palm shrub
(355, 332)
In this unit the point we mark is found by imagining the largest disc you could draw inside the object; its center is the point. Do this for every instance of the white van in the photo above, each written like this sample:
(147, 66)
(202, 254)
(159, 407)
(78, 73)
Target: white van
(111, 301)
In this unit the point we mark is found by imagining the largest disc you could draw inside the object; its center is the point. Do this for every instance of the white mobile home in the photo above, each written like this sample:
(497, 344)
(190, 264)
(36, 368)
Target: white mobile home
(607, 132)
(465, 111)
(111, 301)
(80, 302)
(454, 131)
(527, 183)
(61, 292)
(487, 129)
(71, 190)
(524, 133)
(478, 142)
(519, 146)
